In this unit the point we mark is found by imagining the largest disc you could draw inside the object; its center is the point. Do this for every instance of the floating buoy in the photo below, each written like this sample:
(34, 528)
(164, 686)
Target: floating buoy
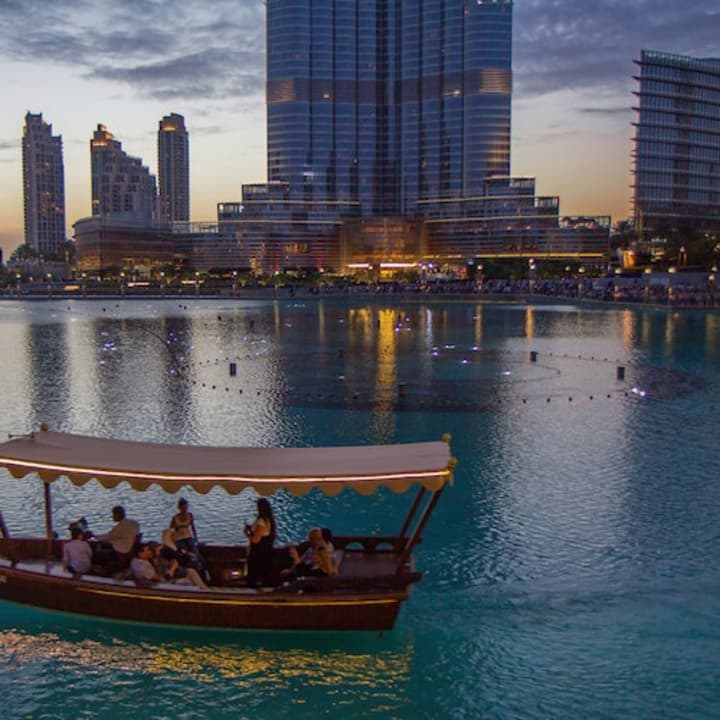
(533, 356)
(233, 369)
(620, 372)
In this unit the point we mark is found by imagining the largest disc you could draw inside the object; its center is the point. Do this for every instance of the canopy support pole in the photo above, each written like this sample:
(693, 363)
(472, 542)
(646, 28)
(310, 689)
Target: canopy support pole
(48, 518)
(411, 513)
(3, 528)
(417, 533)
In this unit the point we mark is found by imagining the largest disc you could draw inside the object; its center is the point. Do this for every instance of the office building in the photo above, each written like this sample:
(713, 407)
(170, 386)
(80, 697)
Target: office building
(173, 169)
(121, 185)
(43, 186)
(677, 145)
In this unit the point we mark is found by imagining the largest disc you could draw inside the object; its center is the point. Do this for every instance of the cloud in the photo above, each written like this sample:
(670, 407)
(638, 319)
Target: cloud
(209, 74)
(149, 45)
(620, 110)
(9, 145)
(565, 44)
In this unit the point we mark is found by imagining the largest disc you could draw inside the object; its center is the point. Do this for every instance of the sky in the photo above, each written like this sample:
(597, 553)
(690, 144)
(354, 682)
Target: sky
(126, 64)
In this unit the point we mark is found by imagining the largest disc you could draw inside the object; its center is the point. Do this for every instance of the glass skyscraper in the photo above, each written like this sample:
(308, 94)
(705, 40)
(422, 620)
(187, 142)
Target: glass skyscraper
(43, 186)
(677, 144)
(389, 143)
(377, 107)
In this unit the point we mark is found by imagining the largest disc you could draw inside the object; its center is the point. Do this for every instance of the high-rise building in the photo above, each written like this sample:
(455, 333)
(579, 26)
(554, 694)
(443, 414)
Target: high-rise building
(173, 169)
(389, 143)
(121, 185)
(43, 186)
(381, 105)
(677, 144)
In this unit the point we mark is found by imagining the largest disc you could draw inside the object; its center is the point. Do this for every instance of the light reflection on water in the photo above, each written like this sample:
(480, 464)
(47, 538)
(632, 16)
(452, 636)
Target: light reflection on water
(570, 570)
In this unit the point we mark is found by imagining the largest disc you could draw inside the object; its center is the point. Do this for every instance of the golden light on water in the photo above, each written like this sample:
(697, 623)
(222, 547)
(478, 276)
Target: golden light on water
(383, 671)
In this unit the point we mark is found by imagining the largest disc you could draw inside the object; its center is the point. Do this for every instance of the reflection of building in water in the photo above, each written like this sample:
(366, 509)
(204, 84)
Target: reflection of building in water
(48, 354)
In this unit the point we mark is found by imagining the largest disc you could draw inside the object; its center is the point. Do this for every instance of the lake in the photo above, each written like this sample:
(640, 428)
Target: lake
(572, 570)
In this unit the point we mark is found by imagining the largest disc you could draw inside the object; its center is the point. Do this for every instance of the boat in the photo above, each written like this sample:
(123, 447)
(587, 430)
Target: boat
(375, 572)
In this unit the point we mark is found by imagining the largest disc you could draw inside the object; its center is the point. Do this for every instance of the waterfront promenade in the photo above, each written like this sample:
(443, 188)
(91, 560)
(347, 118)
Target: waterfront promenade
(666, 291)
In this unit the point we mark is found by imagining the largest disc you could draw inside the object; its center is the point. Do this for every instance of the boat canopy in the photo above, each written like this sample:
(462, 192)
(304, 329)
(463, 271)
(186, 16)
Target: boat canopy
(298, 470)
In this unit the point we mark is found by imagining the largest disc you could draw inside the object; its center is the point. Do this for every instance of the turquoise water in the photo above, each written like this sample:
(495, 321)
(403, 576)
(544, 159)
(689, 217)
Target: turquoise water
(572, 571)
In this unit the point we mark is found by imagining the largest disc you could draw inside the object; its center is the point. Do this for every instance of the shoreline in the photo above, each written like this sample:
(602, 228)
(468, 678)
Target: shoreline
(287, 294)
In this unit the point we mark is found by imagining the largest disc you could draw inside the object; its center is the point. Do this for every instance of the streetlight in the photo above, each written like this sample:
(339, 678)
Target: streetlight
(197, 283)
(648, 273)
(162, 283)
(531, 273)
(18, 277)
(49, 284)
(84, 278)
(234, 285)
(122, 283)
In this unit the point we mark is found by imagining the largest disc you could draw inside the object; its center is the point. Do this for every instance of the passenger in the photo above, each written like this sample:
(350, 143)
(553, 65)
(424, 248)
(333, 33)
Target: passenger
(183, 526)
(122, 536)
(142, 567)
(77, 553)
(261, 535)
(305, 563)
(184, 558)
(167, 566)
(323, 564)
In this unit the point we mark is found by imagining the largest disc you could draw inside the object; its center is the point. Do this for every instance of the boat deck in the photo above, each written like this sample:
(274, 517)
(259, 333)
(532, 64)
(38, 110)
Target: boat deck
(355, 565)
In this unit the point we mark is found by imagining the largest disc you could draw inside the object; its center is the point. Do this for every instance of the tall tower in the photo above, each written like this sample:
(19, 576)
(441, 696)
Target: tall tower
(43, 186)
(677, 150)
(174, 168)
(381, 107)
(121, 184)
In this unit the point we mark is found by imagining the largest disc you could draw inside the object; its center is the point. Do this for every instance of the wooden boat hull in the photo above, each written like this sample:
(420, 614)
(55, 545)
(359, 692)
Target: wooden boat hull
(193, 608)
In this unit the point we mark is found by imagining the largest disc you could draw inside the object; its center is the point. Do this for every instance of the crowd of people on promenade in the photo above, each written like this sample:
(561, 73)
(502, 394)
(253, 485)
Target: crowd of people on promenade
(176, 558)
(678, 293)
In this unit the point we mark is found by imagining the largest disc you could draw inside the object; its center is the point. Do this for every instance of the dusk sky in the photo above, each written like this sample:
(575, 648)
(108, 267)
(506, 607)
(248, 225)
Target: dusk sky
(126, 64)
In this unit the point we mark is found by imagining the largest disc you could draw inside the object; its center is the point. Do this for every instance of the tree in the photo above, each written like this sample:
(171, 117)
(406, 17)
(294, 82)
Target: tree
(23, 253)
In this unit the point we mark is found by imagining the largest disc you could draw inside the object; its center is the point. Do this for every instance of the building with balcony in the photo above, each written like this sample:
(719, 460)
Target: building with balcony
(43, 186)
(122, 186)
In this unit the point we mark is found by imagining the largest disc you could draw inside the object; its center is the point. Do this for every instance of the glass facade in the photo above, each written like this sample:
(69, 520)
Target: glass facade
(677, 143)
(375, 106)
(389, 137)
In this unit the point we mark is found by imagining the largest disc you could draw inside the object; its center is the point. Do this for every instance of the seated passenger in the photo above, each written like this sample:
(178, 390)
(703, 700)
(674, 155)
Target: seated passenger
(167, 566)
(122, 536)
(185, 557)
(322, 563)
(305, 564)
(141, 565)
(77, 553)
